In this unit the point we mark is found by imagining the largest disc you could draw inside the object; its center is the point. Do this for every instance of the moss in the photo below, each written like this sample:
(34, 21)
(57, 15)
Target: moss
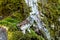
(10, 7)
(17, 35)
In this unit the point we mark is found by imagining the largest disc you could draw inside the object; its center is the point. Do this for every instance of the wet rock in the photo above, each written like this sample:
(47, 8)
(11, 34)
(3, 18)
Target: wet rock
(3, 35)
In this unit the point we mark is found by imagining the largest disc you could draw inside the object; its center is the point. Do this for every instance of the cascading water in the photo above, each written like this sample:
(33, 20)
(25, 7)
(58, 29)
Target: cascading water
(34, 16)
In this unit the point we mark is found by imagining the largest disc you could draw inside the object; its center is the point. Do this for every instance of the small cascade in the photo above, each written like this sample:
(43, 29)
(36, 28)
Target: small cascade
(34, 16)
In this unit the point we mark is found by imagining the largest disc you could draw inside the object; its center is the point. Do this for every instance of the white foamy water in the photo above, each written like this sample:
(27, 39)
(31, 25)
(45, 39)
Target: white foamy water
(35, 16)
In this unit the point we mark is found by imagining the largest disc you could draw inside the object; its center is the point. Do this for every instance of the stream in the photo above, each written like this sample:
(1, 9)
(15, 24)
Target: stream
(35, 16)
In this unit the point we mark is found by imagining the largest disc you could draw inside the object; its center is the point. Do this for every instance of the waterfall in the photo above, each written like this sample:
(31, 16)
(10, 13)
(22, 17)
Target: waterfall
(35, 16)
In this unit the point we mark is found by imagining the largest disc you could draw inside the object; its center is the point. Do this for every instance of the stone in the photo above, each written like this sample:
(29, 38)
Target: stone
(3, 35)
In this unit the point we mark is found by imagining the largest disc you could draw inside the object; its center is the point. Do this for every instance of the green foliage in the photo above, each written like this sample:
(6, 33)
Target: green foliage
(51, 12)
(10, 23)
(17, 35)
(8, 7)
